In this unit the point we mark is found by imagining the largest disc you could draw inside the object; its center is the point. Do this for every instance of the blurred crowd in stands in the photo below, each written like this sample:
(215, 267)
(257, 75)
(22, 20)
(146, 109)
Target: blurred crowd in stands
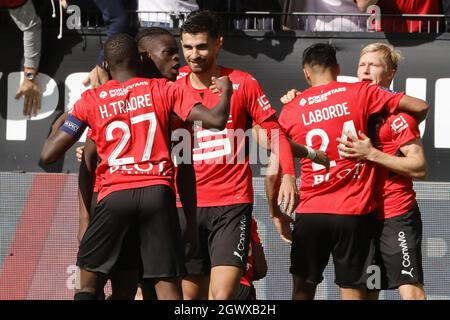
(128, 15)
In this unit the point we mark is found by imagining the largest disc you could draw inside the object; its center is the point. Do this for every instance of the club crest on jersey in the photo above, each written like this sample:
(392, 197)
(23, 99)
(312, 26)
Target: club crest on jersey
(399, 124)
(103, 94)
(302, 102)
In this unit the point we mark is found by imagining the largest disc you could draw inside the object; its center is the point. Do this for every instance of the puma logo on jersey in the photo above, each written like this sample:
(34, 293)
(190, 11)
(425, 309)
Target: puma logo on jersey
(408, 272)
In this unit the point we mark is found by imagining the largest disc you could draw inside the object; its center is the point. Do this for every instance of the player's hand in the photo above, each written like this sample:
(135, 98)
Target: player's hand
(282, 223)
(96, 77)
(79, 153)
(288, 194)
(289, 96)
(32, 97)
(360, 149)
(221, 85)
(322, 158)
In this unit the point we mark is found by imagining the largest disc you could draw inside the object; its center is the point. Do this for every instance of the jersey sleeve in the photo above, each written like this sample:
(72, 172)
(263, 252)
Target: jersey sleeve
(285, 121)
(404, 128)
(80, 108)
(77, 118)
(256, 102)
(181, 99)
(376, 98)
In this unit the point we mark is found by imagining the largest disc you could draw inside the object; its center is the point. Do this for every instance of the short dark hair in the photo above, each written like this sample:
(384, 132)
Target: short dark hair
(202, 21)
(151, 33)
(121, 49)
(320, 54)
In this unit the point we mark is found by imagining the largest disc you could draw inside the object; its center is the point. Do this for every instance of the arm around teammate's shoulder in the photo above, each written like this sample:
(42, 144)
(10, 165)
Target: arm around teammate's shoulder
(418, 108)
(217, 117)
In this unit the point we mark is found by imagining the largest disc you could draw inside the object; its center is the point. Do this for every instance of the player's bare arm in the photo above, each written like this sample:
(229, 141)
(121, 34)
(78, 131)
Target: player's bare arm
(413, 164)
(272, 183)
(298, 150)
(57, 143)
(217, 117)
(418, 108)
(86, 179)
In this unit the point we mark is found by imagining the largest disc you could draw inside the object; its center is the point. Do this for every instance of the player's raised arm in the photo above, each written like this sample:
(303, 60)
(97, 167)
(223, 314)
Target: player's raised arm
(217, 117)
(418, 108)
(65, 132)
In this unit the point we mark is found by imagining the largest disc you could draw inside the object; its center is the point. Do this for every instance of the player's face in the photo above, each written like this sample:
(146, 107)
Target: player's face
(372, 67)
(163, 51)
(200, 51)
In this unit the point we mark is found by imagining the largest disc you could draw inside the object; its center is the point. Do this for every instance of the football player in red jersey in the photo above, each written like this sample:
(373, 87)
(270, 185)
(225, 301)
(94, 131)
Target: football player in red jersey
(399, 223)
(398, 151)
(160, 51)
(222, 169)
(129, 118)
(334, 212)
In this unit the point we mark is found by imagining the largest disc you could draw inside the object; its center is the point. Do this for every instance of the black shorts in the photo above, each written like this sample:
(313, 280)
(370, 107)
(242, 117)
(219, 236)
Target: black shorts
(223, 237)
(246, 292)
(399, 250)
(349, 239)
(130, 256)
(153, 209)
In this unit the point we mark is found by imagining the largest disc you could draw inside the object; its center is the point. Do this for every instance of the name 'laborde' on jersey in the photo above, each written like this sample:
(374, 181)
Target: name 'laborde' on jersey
(327, 113)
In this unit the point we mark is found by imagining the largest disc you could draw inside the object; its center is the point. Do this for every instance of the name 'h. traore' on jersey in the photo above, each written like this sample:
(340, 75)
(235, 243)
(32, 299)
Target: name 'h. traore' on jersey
(316, 118)
(130, 125)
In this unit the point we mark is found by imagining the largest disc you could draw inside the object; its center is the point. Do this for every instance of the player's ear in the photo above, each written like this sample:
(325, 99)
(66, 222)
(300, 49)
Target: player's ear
(142, 56)
(220, 41)
(307, 74)
(338, 70)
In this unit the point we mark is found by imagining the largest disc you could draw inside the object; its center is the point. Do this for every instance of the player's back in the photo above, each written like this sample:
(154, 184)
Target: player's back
(318, 117)
(129, 123)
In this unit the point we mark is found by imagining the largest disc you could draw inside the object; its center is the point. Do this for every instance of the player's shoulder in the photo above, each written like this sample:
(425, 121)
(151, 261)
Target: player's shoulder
(237, 76)
(401, 121)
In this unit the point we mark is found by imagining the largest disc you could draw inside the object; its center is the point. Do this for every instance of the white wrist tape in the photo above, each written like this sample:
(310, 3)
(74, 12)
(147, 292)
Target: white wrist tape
(312, 154)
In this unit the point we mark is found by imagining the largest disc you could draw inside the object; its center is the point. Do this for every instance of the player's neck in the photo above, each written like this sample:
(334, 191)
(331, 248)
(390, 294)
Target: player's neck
(202, 80)
(124, 75)
(322, 80)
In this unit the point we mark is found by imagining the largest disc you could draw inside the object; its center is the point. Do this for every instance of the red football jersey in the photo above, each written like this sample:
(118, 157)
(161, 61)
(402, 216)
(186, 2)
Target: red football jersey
(396, 192)
(130, 127)
(222, 168)
(316, 118)
(247, 278)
